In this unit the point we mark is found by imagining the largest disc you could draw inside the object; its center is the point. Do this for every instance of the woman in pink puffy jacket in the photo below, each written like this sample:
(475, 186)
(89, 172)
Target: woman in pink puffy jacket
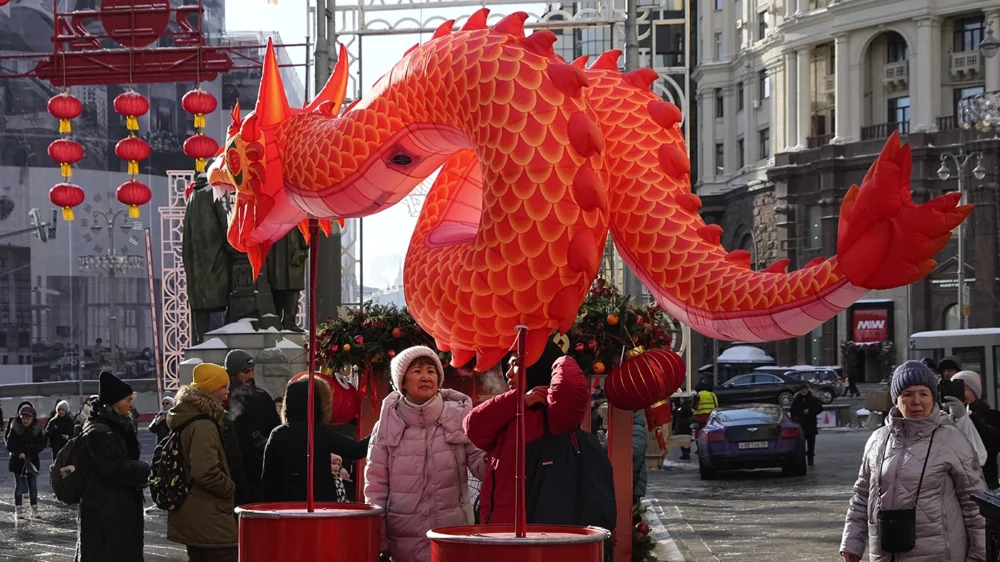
(419, 457)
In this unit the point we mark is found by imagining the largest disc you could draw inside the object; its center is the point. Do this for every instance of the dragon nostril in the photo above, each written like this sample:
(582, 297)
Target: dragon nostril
(402, 160)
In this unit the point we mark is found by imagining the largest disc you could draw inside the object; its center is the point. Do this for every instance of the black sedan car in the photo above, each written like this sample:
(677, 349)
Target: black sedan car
(766, 388)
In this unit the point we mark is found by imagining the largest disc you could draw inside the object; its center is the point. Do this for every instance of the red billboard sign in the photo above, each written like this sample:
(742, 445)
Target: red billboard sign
(871, 325)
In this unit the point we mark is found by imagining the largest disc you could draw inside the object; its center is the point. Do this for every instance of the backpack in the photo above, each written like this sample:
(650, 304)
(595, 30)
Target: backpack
(569, 480)
(168, 479)
(65, 474)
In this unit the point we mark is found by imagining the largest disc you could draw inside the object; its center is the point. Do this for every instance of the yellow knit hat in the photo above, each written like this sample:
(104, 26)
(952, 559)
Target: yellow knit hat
(209, 377)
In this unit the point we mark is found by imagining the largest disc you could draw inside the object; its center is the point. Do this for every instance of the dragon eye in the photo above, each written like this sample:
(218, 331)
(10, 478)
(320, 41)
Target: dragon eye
(402, 160)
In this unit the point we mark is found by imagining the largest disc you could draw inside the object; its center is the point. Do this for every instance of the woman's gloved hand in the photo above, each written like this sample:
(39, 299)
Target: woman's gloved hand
(955, 407)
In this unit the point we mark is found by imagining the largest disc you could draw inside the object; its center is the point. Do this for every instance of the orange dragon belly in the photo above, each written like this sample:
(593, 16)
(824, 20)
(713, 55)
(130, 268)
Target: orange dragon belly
(539, 159)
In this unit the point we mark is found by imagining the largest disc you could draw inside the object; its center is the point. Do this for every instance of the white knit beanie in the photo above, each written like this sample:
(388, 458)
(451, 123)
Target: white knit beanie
(401, 362)
(62, 405)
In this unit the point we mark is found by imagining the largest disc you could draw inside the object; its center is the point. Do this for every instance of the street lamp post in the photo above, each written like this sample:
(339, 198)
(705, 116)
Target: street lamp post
(961, 161)
(112, 264)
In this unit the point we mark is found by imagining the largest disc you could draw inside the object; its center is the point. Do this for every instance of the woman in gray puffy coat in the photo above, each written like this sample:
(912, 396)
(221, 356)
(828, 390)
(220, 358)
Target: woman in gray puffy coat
(949, 527)
(419, 457)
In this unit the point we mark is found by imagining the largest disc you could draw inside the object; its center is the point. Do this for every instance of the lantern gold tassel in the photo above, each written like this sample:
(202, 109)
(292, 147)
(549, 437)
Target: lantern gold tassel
(199, 120)
(66, 169)
(132, 123)
(65, 127)
(133, 211)
(199, 165)
(133, 167)
(67, 213)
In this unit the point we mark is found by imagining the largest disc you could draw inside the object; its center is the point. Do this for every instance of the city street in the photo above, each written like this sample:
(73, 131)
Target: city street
(758, 515)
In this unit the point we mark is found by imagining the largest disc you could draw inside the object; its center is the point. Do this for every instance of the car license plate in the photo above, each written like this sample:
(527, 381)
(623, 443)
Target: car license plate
(753, 445)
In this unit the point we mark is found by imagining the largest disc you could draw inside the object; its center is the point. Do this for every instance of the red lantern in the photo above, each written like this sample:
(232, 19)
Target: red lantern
(199, 102)
(134, 150)
(201, 148)
(133, 193)
(67, 196)
(66, 152)
(346, 401)
(645, 381)
(65, 106)
(132, 105)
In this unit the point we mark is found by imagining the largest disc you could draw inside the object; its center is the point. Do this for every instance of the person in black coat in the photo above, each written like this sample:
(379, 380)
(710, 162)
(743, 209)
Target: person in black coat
(10, 422)
(25, 440)
(683, 416)
(987, 423)
(284, 477)
(158, 426)
(59, 430)
(805, 409)
(110, 517)
(252, 412)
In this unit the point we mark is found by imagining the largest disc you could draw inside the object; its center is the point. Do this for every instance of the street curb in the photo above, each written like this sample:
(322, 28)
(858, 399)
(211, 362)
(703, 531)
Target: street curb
(666, 549)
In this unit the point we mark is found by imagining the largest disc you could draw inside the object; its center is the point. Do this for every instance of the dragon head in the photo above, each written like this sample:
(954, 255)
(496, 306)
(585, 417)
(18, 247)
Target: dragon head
(252, 164)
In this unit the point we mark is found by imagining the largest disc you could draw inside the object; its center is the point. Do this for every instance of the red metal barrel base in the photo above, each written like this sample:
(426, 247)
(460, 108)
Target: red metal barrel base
(497, 543)
(334, 532)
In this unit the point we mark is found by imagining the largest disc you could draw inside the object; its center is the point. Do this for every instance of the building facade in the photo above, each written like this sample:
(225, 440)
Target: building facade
(795, 99)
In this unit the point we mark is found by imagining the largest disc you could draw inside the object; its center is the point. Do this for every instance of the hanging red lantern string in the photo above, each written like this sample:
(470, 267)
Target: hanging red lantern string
(645, 381)
(134, 150)
(133, 193)
(198, 146)
(67, 196)
(201, 148)
(132, 105)
(66, 152)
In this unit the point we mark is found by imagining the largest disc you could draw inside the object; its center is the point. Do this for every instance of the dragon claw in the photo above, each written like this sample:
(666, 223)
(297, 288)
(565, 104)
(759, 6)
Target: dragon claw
(886, 240)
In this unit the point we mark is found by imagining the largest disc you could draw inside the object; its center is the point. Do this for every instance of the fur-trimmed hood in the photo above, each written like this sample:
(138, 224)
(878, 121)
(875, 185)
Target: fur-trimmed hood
(295, 403)
(192, 402)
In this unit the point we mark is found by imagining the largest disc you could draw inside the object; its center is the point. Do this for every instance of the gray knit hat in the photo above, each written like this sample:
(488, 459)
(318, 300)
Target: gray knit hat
(238, 361)
(912, 373)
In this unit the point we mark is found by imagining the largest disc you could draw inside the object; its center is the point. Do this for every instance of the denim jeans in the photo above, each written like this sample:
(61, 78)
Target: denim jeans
(26, 483)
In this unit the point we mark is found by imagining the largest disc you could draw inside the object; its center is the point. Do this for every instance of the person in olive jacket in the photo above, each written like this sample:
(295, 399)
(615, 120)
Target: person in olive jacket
(205, 523)
(805, 408)
(110, 518)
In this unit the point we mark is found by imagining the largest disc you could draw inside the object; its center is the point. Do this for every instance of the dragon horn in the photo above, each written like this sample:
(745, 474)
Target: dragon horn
(336, 87)
(272, 105)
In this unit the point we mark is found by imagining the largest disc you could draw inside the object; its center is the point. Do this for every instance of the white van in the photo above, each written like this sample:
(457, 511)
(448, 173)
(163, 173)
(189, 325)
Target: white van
(978, 349)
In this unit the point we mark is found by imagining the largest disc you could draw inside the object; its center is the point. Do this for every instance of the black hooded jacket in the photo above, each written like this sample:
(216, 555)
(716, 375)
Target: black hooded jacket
(253, 415)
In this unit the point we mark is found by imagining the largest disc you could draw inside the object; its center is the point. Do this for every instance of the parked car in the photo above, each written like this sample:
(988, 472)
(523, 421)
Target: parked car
(751, 436)
(758, 387)
(827, 384)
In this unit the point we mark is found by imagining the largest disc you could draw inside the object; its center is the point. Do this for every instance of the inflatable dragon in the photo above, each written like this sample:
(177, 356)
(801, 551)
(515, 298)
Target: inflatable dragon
(539, 158)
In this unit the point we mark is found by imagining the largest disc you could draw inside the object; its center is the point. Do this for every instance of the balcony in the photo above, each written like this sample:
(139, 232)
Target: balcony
(883, 130)
(949, 123)
(818, 141)
(896, 75)
(966, 66)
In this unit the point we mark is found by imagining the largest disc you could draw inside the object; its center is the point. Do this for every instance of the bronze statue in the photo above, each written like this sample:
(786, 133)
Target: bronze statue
(286, 275)
(207, 257)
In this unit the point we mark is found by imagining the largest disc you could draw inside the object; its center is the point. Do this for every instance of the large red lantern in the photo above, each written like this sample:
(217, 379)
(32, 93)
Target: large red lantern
(346, 401)
(133, 193)
(65, 106)
(645, 381)
(132, 105)
(201, 148)
(199, 102)
(66, 152)
(134, 150)
(67, 196)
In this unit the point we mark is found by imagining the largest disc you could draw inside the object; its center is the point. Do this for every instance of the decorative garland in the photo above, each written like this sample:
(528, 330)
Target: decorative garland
(642, 544)
(606, 327)
(885, 350)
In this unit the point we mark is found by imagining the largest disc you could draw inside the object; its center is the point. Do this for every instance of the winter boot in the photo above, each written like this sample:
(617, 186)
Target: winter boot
(34, 512)
(18, 512)
(810, 461)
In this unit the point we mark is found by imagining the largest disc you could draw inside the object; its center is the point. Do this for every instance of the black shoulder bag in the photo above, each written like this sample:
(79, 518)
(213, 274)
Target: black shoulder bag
(897, 528)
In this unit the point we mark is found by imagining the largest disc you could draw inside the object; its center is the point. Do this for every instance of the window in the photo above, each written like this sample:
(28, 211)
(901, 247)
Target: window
(718, 5)
(763, 19)
(896, 49)
(899, 113)
(766, 379)
(968, 34)
(741, 161)
(764, 85)
(740, 380)
(814, 239)
(951, 319)
(739, 97)
(962, 94)
(764, 137)
(720, 158)
(718, 47)
(720, 103)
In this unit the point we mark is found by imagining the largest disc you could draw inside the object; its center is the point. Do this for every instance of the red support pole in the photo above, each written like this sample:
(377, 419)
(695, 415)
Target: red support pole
(520, 517)
(620, 452)
(311, 408)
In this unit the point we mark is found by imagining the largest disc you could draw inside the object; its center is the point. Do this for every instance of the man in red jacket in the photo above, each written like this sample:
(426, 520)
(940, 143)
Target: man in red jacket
(556, 382)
